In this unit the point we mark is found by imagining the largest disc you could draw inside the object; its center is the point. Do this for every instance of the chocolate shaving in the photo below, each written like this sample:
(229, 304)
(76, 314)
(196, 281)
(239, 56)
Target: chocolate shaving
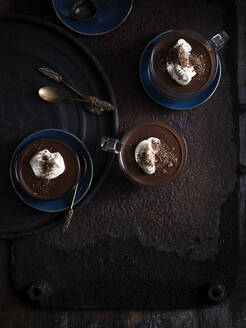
(145, 159)
(43, 186)
(155, 145)
(47, 165)
(184, 59)
(198, 61)
(166, 157)
(179, 55)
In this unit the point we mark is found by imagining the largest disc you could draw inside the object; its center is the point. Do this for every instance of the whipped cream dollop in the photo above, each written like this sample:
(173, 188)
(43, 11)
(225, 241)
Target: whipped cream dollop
(178, 63)
(47, 165)
(145, 154)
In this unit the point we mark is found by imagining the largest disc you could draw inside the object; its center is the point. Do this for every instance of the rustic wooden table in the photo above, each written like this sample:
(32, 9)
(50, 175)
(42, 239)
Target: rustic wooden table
(15, 313)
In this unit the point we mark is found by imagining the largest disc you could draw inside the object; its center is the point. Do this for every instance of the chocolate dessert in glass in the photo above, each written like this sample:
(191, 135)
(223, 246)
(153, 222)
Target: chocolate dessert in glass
(151, 154)
(47, 168)
(183, 63)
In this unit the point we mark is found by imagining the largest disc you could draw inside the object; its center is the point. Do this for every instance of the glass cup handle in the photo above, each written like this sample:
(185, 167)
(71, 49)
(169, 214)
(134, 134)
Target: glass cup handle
(112, 145)
(220, 39)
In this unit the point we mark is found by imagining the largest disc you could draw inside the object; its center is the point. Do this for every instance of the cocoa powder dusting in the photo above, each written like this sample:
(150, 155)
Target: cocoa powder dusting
(43, 186)
(47, 165)
(184, 59)
(155, 145)
(198, 61)
(166, 157)
(145, 159)
(178, 55)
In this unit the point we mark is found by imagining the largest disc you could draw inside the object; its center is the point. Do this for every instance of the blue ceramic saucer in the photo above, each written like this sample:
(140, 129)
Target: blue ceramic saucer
(107, 19)
(160, 98)
(61, 203)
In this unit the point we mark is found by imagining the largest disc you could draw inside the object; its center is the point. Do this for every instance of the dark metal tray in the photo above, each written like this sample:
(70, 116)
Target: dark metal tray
(151, 248)
(26, 45)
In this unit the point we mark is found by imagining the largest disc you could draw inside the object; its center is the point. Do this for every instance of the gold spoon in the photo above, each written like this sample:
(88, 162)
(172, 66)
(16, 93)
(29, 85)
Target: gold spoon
(54, 95)
(96, 104)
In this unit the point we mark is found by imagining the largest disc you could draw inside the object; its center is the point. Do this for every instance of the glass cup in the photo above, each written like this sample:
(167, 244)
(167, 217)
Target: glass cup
(125, 149)
(160, 77)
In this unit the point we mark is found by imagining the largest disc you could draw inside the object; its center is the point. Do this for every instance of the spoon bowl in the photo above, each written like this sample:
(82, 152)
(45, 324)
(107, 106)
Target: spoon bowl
(84, 10)
(51, 94)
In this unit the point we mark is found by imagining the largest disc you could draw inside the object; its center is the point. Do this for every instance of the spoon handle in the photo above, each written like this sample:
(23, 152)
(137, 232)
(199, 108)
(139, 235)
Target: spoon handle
(75, 99)
(68, 219)
(93, 101)
(58, 78)
(50, 74)
(69, 214)
(82, 95)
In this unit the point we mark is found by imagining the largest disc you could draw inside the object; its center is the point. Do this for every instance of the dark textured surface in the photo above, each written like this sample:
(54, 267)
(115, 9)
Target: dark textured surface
(22, 112)
(14, 312)
(143, 247)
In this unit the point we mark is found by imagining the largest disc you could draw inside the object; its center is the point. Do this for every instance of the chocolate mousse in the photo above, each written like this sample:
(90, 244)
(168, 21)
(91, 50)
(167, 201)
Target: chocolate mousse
(168, 157)
(195, 58)
(47, 168)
